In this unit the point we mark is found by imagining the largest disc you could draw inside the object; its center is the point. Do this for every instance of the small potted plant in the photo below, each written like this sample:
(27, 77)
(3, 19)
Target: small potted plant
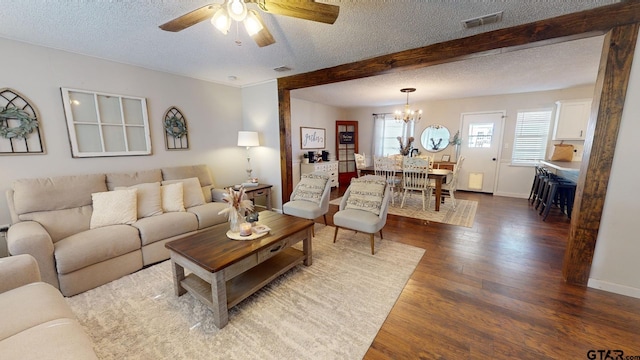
(305, 158)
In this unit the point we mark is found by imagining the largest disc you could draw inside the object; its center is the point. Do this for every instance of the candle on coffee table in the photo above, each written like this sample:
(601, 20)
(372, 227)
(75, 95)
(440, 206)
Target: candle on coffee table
(245, 229)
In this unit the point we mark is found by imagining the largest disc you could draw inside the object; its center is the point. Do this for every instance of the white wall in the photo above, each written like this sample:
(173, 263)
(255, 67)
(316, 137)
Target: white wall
(260, 113)
(512, 181)
(310, 114)
(213, 113)
(615, 264)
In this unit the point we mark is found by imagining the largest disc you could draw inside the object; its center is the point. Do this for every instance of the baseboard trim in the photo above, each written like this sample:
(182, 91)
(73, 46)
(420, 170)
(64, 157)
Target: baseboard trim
(513, 195)
(614, 288)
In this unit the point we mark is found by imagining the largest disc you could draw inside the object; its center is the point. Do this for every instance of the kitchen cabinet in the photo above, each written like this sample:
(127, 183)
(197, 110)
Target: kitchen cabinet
(330, 167)
(572, 117)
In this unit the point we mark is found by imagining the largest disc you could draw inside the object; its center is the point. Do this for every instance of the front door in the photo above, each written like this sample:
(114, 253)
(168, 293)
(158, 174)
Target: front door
(481, 144)
(346, 146)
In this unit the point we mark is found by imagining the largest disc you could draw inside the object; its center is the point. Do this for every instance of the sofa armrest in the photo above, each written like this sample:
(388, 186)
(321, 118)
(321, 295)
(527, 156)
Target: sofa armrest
(16, 271)
(29, 237)
(217, 195)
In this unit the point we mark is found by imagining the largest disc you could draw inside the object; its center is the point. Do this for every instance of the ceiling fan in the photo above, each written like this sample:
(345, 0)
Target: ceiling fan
(222, 14)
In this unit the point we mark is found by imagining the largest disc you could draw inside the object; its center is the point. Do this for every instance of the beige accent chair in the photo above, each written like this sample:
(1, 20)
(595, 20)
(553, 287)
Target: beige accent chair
(309, 200)
(37, 322)
(415, 177)
(358, 212)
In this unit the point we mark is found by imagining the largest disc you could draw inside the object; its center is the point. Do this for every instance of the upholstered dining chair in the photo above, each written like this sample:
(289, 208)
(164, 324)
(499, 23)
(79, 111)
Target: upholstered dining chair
(415, 177)
(361, 162)
(364, 207)
(310, 198)
(449, 188)
(388, 168)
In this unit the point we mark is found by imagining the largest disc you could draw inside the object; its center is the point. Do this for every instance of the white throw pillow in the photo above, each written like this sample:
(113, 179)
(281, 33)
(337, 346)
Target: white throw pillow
(192, 191)
(310, 188)
(149, 198)
(172, 198)
(366, 194)
(113, 208)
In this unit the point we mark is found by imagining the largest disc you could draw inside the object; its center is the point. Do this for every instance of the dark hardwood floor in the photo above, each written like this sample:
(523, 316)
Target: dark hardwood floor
(495, 291)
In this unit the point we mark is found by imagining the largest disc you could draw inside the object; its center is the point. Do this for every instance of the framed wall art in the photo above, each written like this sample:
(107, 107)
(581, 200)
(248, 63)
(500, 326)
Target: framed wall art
(20, 130)
(312, 138)
(176, 136)
(101, 124)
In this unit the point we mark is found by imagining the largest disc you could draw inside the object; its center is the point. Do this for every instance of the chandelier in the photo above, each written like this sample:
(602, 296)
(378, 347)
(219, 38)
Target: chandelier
(407, 114)
(236, 10)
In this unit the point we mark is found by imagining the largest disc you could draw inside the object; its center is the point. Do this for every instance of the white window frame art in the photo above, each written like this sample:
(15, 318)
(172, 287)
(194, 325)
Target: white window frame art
(124, 133)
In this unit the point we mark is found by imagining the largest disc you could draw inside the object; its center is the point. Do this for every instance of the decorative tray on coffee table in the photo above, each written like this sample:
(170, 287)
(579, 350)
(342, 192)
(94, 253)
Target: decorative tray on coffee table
(257, 231)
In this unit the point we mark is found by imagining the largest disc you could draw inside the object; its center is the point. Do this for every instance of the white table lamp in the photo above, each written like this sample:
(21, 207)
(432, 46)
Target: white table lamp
(248, 139)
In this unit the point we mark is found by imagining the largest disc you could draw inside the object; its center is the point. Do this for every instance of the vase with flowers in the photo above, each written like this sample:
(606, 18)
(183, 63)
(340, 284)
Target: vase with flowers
(238, 206)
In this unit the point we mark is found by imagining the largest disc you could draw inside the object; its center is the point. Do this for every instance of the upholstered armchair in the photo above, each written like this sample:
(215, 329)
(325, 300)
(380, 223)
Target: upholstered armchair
(364, 207)
(310, 198)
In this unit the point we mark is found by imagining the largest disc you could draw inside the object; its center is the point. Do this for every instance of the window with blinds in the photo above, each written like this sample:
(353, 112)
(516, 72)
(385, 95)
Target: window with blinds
(532, 133)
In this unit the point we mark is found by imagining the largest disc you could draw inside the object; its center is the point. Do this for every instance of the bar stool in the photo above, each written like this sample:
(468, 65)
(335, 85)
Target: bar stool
(541, 173)
(557, 191)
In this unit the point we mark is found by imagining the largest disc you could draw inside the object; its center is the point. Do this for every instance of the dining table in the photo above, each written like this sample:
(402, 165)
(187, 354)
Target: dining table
(438, 175)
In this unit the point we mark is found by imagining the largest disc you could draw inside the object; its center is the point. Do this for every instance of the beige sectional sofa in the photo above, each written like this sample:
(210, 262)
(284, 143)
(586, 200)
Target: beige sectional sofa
(36, 321)
(60, 221)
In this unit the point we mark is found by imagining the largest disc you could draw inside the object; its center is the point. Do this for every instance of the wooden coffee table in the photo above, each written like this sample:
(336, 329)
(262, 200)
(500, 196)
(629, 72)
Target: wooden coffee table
(224, 272)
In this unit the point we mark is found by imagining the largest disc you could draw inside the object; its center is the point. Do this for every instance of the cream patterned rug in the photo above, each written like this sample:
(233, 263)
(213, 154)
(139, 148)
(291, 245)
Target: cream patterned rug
(463, 215)
(330, 310)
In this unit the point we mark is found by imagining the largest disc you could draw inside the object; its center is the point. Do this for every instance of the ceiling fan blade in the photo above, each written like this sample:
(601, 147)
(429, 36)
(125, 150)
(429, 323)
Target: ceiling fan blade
(303, 9)
(263, 37)
(191, 18)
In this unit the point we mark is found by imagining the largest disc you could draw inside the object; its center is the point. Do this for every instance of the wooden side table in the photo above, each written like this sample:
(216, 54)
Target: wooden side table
(254, 192)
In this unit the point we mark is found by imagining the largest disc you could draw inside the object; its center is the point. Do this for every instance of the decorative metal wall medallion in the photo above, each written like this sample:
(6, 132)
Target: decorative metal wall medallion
(176, 135)
(19, 127)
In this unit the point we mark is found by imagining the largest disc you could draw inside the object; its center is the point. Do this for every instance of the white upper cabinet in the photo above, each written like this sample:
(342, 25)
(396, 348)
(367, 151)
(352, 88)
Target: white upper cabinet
(572, 117)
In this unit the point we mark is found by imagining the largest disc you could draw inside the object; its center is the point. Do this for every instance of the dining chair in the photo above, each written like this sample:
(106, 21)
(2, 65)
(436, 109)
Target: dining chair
(361, 162)
(364, 207)
(415, 177)
(310, 197)
(449, 188)
(387, 168)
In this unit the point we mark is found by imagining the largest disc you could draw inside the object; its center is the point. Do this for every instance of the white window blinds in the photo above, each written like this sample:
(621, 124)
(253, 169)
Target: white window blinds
(532, 133)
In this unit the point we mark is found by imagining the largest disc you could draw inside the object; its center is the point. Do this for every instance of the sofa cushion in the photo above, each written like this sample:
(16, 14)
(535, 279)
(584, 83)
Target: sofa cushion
(172, 197)
(62, 223)
(310, 188)
(191, 191)
(114, 207)
(95, 245)
(366, 194)
(30, 305)
(52, 340)
(185, 172)
(56, 193)
(132, 178)
(149, 198)
(165, 226)
(207, 214)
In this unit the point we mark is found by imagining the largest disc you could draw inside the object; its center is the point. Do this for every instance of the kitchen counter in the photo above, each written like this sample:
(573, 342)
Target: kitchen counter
(563, 165)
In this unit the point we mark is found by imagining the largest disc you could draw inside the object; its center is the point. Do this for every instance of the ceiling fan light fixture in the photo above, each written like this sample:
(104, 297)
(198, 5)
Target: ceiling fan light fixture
(237, 10)
(252, 23)
(221, 21)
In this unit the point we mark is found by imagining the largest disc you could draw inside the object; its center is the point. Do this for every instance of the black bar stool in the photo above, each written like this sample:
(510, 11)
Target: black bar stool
(557, 191)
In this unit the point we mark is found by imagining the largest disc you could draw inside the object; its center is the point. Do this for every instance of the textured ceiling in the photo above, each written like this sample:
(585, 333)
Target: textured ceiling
(127, 32)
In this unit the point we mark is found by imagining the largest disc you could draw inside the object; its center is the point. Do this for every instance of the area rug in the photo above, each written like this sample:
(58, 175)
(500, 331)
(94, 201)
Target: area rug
(330, 310)
(463, 215)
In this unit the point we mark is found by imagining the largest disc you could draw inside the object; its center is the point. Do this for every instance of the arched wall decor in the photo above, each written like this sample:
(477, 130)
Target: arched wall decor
(176, 134)
(20, 130)
(618, 21)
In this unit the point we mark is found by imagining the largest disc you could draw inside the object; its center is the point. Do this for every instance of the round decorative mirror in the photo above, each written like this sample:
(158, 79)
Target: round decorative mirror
(435, 138)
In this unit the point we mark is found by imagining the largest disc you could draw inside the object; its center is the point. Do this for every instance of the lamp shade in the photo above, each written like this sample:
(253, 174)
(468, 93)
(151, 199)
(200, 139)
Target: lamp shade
(248, 138)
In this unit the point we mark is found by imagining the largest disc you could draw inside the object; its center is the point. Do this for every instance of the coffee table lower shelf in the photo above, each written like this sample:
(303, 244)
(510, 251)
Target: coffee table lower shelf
(248, 282)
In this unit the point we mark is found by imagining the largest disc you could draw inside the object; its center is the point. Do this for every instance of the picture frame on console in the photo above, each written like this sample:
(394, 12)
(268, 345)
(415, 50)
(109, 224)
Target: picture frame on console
(446, 158)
